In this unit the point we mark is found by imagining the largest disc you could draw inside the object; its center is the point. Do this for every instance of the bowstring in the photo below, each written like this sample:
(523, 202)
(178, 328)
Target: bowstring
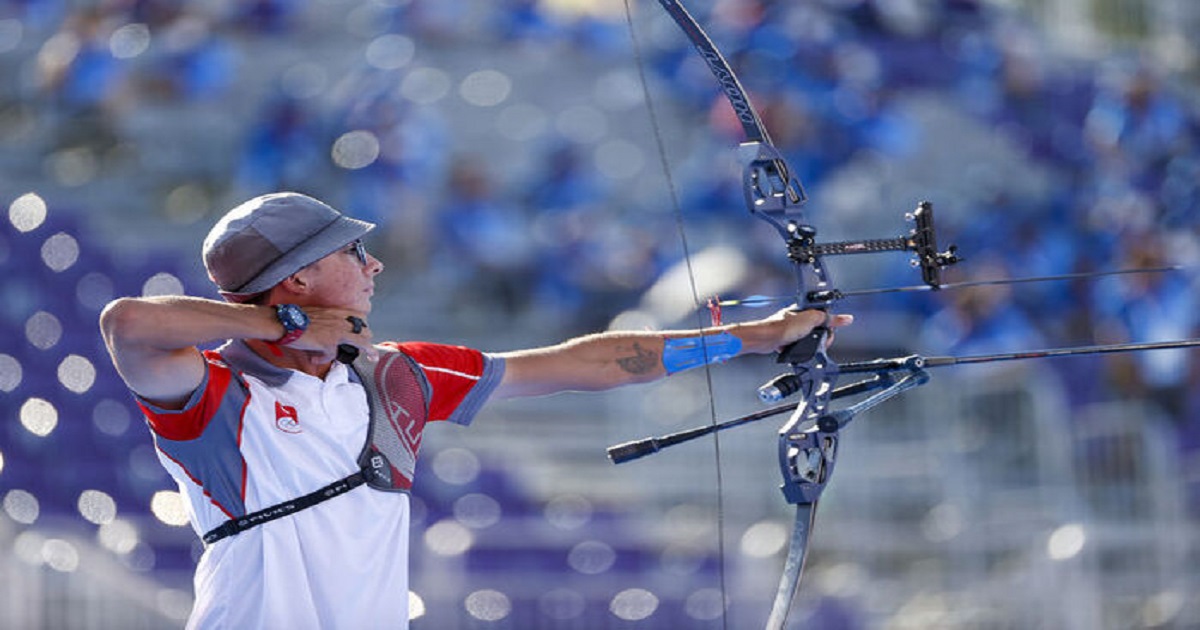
(677, 211)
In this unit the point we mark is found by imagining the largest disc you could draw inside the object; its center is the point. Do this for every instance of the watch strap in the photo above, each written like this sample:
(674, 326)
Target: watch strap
(291, 332)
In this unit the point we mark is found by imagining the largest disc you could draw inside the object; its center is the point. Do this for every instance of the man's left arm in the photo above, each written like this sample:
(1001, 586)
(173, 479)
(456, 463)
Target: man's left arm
(612, 359)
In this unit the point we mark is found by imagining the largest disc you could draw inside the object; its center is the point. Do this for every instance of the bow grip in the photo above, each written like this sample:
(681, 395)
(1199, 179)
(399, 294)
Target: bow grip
(805, 348)
(798, 353)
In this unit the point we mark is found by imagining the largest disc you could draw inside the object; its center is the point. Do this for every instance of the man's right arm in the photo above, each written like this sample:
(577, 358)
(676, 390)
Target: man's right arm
(153, 341)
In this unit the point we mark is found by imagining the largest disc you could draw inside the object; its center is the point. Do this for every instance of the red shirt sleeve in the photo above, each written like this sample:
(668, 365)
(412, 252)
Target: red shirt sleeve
(452, 371)
(188, 423)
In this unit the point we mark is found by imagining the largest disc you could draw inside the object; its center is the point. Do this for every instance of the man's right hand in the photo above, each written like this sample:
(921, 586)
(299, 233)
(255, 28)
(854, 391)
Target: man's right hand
(330, 327)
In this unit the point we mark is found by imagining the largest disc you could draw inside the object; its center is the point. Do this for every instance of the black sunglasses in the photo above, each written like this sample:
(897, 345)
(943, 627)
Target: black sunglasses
(359, 250)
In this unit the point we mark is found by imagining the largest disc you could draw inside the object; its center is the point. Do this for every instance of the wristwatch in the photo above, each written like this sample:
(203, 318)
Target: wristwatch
(294, 321)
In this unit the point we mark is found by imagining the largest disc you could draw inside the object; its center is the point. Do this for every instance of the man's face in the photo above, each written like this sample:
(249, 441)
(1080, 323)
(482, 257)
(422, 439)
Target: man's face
(344, 279)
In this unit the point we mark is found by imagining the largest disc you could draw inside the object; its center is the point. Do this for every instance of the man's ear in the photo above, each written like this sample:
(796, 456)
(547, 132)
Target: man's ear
(296, 283)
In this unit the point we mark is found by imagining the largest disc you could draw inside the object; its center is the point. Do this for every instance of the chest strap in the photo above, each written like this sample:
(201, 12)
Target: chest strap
(375, 468)
(291, 506)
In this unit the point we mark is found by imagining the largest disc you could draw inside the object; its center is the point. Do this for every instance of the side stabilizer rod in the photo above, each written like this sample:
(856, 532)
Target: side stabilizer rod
(629, 451)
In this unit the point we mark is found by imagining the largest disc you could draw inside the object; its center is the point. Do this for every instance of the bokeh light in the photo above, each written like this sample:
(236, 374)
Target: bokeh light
(10, 372)
(477, 511)
(161, 284)
(425, 85)
(21, 506)
(96, 506)
(634, 604)
(448, 538)
(390, 52)
(76, 373)
(355, 149)
(39, 416)
(73, 167)
(60, 251)
(168, 507)
(129, 41)
(456, 466)
(27, 547)
(60, 555)
(119, 536)
(1066, 542)
(488, 605)
(764, 539)
(416, 606)
(591, 557)
(94, 290)
(705, 604)
(27, 212)
(485, 88)
(570, 511)
(43, 330)
(111, 417)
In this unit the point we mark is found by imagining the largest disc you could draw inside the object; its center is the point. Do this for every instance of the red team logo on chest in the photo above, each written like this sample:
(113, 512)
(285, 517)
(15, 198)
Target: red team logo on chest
(286, 419)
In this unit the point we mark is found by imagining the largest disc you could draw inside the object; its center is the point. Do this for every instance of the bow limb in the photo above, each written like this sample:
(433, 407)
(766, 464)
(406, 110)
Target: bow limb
(730, 85)
(793, 568)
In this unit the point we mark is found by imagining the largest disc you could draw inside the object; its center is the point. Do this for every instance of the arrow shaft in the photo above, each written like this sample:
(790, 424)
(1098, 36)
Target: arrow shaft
(1061, 352)
(759, 300)
(986, 283)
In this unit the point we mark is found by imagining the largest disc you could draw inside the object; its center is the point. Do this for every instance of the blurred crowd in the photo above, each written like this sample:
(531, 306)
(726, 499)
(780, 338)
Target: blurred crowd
(1117, 139)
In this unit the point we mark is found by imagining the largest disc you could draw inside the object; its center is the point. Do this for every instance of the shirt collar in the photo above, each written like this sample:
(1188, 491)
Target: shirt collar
(241, 357)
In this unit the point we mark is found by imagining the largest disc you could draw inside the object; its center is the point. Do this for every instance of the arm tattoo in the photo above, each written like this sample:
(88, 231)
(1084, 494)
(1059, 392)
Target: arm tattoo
(642, 362)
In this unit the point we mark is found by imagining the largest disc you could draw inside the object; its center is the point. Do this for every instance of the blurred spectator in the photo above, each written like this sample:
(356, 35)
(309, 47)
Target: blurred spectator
(270, 17)
(197, 63)
(80, 80)
(1135, 126)
(486, 239)
(1146, 308)
(981, 320)
(285, 149)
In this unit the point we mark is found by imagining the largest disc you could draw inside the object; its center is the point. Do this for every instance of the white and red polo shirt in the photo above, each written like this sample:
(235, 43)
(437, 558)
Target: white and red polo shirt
(254, 435)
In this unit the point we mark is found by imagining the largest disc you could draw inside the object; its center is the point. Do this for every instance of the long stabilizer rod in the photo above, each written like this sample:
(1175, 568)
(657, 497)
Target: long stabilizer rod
(928, 362)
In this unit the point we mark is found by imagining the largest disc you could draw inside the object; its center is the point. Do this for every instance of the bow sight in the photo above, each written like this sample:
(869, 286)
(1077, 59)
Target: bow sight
(921, 239)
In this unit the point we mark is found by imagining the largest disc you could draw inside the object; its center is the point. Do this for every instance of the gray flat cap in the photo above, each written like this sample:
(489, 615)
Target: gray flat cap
(266, 239)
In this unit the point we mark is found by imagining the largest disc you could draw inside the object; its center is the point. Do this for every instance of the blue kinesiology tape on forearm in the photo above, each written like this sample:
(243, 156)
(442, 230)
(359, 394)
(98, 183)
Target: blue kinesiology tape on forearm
(685, 353)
